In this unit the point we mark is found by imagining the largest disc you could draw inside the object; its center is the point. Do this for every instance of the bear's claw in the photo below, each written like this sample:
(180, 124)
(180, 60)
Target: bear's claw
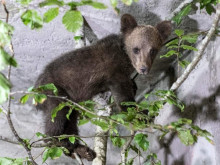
(84, 152)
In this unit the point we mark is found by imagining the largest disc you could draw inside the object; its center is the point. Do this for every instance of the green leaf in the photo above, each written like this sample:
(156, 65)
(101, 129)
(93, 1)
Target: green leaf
(32, 19)
(127, 2)
(173, 42)
(135, 149)
(38, 134)
(56, 110)
(82, 122)
(72, 20)
(146, 96)
(101, 123)
(119, 117)
(50, 87)
(74, 5)
(5, 33)
(24, 2)
(62, 137)
(179, 32)
(210, 9)
(130, 161)
(6, 59)
(27, 142)
(51, 14)
(186, 137)
(12, 161)
(45, 155)
(190, 38)
(72, 139)
(24, 99)
(4, 88)
(184, 121)
(187, 47)
(53, 153)
(117, 141)
(89, 104)
(152, 160)
(141, 140)
(30, 89)
(94, 4)
(77, 38)
(181, 14)
(51, 2)
(69, 113)
(169, 53)
(39, 98)
(114, 3)
(184, 63)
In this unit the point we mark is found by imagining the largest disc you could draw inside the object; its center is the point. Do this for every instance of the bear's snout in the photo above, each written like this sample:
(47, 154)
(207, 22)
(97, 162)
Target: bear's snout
(144, 70)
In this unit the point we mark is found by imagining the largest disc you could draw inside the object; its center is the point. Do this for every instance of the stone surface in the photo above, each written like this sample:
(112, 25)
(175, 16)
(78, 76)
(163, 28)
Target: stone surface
(200, 92)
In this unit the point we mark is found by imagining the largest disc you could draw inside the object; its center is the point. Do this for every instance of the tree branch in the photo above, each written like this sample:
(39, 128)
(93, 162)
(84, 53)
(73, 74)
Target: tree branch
(101, 139)
(179, 8)
(200, 52)
(74, 103)
(8, 115)
(48, 144)
(125, 147)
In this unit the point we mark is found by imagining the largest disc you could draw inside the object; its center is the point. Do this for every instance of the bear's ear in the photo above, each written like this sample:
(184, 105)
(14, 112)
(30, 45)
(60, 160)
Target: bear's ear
(164, 29)
(128, 23)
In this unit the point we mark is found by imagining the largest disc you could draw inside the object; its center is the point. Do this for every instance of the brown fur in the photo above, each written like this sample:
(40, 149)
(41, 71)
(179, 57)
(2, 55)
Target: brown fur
(104, 66)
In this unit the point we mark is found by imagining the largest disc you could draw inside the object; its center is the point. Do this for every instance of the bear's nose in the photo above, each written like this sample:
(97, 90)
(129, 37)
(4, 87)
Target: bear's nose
(143, 69)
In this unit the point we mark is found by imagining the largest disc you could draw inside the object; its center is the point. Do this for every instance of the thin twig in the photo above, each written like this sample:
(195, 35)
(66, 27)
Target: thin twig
(52, 137)
(3, 109)
(74, 103)
(8, 115)
(6, 10)
(125, 147)
(179, 8)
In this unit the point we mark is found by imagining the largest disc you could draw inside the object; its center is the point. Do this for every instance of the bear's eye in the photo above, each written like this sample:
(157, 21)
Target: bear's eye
(153, 52)
(136, 50)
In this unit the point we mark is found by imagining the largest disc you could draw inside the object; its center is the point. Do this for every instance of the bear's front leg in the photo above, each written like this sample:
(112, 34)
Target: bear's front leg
(123, 91)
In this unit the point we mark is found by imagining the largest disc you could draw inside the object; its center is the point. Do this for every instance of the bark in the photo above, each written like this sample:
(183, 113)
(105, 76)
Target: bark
(100, 142)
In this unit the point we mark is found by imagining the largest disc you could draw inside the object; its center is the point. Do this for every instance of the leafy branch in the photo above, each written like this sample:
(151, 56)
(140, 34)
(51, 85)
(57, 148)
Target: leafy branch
(12, 62)
(200, 52)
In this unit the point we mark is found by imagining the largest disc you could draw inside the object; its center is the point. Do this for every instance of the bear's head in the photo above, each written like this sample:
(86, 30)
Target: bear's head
(142, 42)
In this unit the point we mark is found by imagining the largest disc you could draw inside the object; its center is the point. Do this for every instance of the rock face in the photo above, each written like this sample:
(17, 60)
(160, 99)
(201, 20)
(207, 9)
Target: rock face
(200, 92)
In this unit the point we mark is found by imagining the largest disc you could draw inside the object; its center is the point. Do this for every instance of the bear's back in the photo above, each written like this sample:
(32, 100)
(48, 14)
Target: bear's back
(87, 70)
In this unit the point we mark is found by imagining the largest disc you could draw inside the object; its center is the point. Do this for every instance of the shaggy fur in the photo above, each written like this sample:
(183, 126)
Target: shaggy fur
(106, 65)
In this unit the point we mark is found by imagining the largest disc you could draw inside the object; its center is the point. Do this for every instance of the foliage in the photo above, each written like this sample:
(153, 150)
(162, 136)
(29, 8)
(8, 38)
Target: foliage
(180, 44)
(32, 19)
(6, 59)
(141, 140)
(208, 5)
(36, 94)
(51, 14)
(72, 19)
(152, 159)
(53, 153)
(138, 115)
(184, 12)
(134, 119)
(16, 161)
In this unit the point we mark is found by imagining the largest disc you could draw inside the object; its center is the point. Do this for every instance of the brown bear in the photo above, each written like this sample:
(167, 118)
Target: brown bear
(103, 66)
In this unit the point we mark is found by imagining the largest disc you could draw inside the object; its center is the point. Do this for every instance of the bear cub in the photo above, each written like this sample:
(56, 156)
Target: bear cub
(103, 66)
